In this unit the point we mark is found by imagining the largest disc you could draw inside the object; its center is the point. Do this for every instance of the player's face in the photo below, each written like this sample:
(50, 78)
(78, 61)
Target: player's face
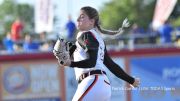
(84, 23)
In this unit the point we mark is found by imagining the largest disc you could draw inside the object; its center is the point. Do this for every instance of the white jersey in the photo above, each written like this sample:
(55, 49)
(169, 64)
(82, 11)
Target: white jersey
(80, 54)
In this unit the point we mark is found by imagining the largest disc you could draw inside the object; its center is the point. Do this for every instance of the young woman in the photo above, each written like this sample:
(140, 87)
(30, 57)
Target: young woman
(90, 58)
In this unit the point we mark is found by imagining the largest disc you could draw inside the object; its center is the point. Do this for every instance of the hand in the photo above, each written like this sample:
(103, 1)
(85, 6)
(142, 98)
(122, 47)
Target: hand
(136, 82)
(63, 58)
(67, 62)
(63, 63)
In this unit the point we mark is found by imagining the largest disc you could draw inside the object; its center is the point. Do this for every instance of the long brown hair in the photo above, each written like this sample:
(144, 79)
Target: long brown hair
(93, 14)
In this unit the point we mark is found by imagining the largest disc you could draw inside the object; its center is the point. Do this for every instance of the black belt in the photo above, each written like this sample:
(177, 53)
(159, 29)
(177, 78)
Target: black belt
(84, 75)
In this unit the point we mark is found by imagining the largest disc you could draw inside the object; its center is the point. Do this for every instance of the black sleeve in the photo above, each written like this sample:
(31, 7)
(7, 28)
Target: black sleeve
(116, 69)
(90, 44)
(87, 63)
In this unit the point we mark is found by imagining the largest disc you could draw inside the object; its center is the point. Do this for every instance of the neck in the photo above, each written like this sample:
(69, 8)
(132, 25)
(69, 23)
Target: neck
(89, 28)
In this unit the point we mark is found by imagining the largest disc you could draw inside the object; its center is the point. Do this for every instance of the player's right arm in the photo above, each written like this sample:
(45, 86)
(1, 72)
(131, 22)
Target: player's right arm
(90, 45)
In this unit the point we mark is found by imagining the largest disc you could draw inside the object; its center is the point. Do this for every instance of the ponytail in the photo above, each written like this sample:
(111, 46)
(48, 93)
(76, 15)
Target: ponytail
(110, 32)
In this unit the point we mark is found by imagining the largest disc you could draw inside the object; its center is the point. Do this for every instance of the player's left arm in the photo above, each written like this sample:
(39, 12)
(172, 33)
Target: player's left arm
(116, 69)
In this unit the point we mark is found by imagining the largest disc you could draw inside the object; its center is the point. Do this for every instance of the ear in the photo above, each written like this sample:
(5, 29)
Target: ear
(92, 21)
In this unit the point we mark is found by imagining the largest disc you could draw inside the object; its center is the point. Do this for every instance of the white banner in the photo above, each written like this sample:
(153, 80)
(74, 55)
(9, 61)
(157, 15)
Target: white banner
(163, 10)
(44, 16)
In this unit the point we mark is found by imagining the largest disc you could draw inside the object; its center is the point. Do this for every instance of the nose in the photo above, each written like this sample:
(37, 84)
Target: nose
(78, 19)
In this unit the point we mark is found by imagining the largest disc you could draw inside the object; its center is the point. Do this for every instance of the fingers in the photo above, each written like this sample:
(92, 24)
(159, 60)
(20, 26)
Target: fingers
(64, 63)
(136, 83)
(60, 65)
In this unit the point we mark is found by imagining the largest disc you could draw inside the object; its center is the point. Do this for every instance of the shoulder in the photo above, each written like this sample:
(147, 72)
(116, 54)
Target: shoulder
(87, 39)
(88, 35)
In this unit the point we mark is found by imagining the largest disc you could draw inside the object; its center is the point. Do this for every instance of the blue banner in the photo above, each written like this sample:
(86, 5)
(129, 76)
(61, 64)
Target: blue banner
(38, 99)
(160, 78)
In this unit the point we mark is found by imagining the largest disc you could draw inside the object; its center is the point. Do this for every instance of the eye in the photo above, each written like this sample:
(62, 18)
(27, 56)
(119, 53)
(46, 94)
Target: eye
(82, 16)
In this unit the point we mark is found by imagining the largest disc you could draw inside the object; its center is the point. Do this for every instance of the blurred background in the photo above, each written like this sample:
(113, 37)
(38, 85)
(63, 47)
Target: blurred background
(148, 49)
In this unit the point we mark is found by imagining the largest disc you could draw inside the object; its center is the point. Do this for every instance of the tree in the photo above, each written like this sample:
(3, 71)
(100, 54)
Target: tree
(137, 11)
(175, 16)
(10, 10)
(26, 13)
(176, 11)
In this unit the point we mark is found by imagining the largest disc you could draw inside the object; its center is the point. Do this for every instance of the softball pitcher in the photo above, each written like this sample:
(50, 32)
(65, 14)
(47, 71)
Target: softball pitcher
(90, 57)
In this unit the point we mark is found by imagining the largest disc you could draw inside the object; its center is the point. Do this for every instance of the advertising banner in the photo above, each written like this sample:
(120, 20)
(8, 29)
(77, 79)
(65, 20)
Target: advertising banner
(162, 11)
(26, 81)
(117, 85)
(160, 78)
(44, 15)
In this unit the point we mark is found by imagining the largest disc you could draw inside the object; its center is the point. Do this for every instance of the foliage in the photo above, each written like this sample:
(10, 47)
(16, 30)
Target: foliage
(137, 11)
(175, 16)
(10, 11)
(176, 22)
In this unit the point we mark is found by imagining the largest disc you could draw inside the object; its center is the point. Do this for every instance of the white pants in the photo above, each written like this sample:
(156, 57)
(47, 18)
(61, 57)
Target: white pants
(93, 88)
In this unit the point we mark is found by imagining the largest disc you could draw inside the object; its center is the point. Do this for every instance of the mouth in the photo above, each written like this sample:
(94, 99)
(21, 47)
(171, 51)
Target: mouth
(79, 23)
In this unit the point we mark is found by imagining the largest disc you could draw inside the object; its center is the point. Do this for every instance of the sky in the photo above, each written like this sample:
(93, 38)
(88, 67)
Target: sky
(66, 7)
